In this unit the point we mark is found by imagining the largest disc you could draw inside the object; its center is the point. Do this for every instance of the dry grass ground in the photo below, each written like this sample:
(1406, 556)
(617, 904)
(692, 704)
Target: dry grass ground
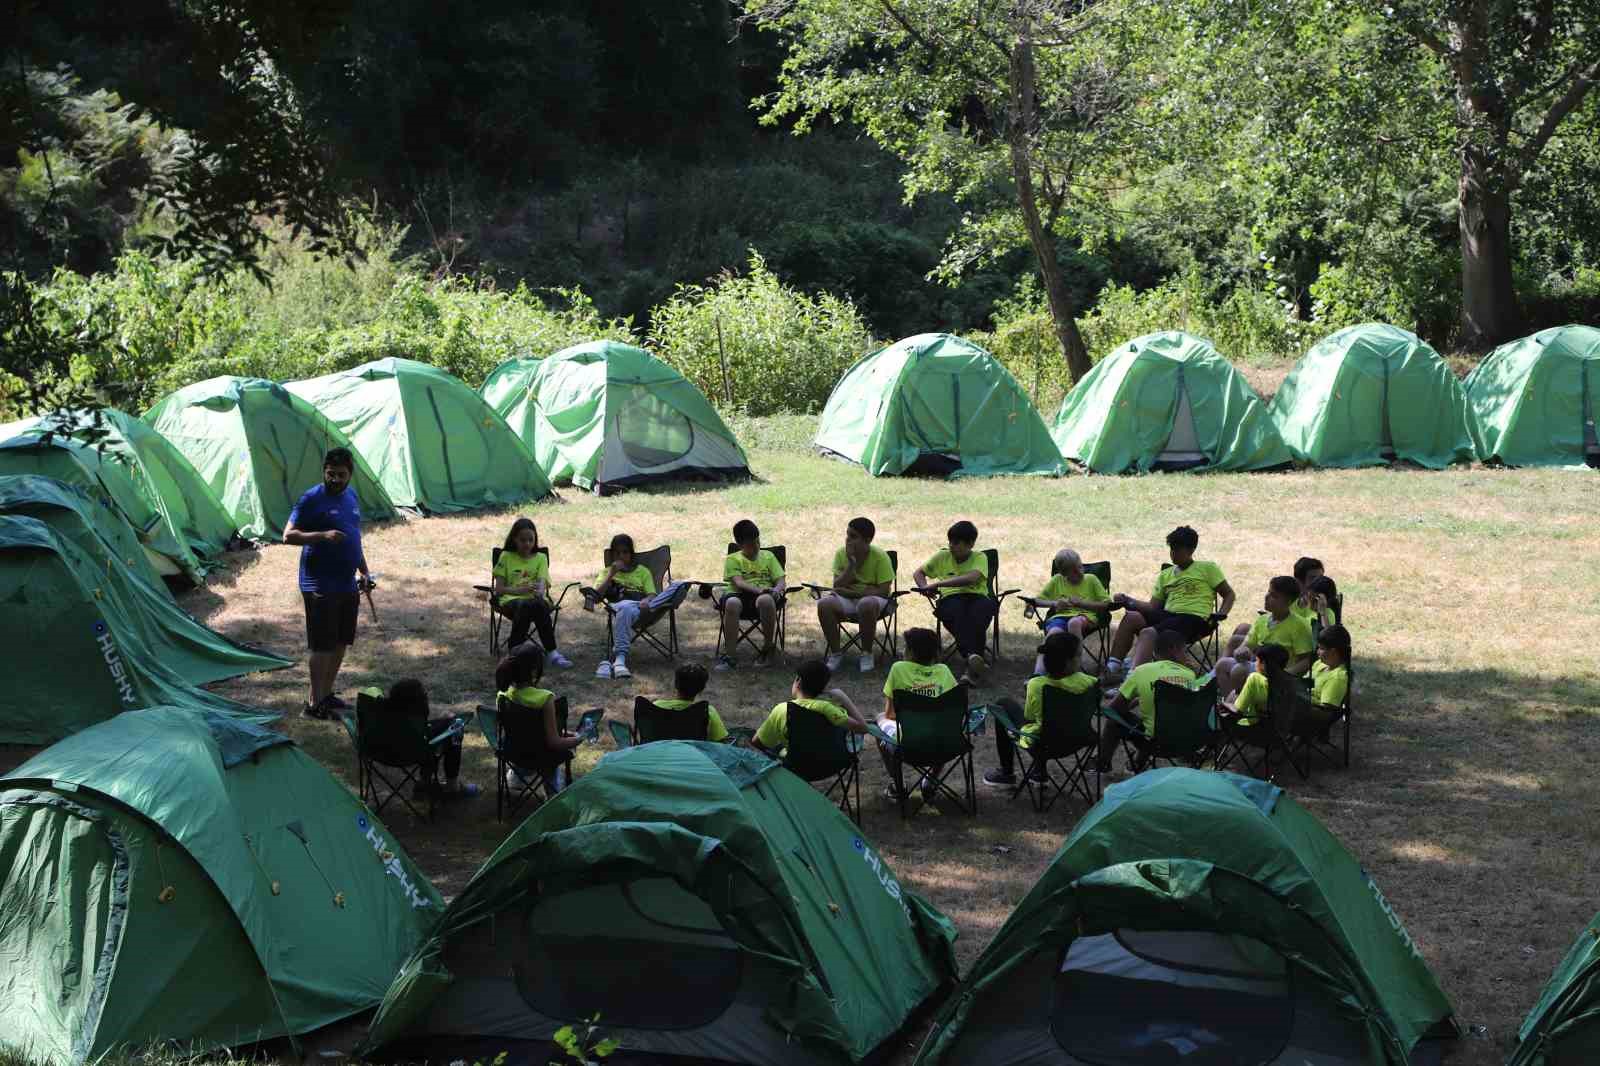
(1472, 594)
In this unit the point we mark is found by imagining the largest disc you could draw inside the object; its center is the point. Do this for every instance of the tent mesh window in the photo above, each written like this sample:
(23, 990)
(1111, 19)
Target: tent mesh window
(647, 954)
(653, 432)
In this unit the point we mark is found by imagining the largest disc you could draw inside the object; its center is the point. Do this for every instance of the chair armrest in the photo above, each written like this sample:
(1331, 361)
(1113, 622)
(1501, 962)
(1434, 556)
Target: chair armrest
(977, 721)
(1001, 598)
(348, 720)
(1003, 720)
(1135, 725)
(882, 737)
(484, 588)
(566, 589)
(817, 591)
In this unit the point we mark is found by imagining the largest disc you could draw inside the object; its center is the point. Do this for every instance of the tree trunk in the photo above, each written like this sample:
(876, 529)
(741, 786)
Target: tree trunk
(1489, 312)
(1062, 313)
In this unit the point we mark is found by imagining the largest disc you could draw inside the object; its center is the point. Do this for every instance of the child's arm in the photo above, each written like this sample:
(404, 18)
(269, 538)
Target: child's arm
(888, 707)
(838, 696)
(1224, 609)
(552, 732)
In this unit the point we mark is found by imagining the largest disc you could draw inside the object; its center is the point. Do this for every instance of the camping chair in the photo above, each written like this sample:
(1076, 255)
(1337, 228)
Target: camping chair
(1208, 648)
(1070, 731)
(994, 593)
(779, 631)
(1308, 730)
(819, 751)
(1034, 609)
(621, 733)
(497, 618)
(1186, 727)
(516, 736)
(932, 738)
(659, 562)
(392, 751)
(1254, 746)
(657, 723)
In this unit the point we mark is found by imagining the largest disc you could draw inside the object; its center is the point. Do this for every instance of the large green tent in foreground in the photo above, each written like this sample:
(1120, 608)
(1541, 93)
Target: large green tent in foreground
(134, 469)
(1537, 399)
(1167, 401)
(259, 447)
(935, 404)
(1199, 917)
(607, 415)
(1370, 394)
(432, 441)
(181, 875)
(82, 639)
(1563, 1029)
(706, 902)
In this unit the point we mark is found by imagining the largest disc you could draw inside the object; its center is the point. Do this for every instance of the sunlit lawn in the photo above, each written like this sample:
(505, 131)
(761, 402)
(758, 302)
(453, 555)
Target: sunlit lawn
(1472, 595)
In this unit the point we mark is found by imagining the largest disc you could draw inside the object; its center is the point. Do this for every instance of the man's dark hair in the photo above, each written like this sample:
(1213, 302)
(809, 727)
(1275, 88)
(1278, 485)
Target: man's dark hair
(1171, 644)
(409, 697)
(339, 457)
(1059, 649)
(813, 675)
(1325, 586)
(1183, 537)
(922, 645)
(864, 527)
(1275, 656)
(1285, 586)
(1304, 565)
(963, 531)
(745, 530)
(690, 680)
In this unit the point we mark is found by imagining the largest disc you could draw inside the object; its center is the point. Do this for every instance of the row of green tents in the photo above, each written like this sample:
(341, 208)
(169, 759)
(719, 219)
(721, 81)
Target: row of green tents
(1366, 395)
(184, 875)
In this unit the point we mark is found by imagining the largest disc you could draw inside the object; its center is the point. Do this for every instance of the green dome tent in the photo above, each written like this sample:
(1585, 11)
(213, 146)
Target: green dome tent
(1563, 1029)
(1201, 917)
(1167, 401)
(706, 902)
(188, 876)
(433, 442)
(84, 639)
(259, 447)
(935, 404)
(138, 472)
(1537, 399)
(99, 532)
(603, 415)
(1370, 394)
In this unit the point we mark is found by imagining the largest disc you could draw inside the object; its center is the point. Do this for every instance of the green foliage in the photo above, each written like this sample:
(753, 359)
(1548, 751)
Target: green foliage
(583, 1044)
(784, 349)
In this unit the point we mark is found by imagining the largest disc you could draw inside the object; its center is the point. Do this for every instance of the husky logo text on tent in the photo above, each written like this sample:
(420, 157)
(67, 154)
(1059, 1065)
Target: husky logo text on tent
(113, 658)
(1394, 919)
(391, 863)
(885, 878)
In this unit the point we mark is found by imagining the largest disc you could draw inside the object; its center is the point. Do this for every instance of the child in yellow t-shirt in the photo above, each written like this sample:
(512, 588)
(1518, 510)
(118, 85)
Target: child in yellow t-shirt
(521, 583)
(688, 682)
(1059, 655)
(1330, 677)
(1138, 693)
(1251, 699)
(919, 672)
(1073, 599)
(1276, 625)
(956, 579)
(755, 591)
(517, 678)
(811, 693)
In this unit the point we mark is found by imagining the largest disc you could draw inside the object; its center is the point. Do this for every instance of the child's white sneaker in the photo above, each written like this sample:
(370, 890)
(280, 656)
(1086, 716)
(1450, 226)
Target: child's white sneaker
(604, 669)
(555, 658)
(834, 660)
(619, 669)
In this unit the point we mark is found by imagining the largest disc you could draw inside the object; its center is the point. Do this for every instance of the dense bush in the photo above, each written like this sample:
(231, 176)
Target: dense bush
(785, 350)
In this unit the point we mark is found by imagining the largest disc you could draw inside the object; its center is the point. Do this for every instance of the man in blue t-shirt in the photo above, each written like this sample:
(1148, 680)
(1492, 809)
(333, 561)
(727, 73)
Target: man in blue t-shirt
(326, 523)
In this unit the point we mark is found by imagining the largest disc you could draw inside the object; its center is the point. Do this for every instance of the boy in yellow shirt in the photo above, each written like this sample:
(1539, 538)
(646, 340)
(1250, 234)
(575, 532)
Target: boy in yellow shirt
(811, 693)
(919, 672)
(1138, 692)
(956, 578)
(1074, 598)
(1185, 599)
(863, 577)
(688, 682)
(1330, 677)
(1059, 656)
(1279, 625)
(755, 590)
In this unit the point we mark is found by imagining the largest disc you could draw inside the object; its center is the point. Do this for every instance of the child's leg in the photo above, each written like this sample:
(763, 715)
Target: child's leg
(1146, 649)
(767, 608)
(732, 608)
(1130, 626)
(1235, 642)
(624, 617)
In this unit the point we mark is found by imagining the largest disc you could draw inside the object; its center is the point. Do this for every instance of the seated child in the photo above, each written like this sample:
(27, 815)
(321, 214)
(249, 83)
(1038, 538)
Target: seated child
(810, 692)
(630, 587)
(1307, 571)
(689, 681)
(863, 578)
(1059, 656)
(1279, 625)
(755, 591)
(1138, 692)
(410, 699)
(1074, 599)
(920, 672)
(1185, 599)
(956, 578)
(1247, 704)
(1324, 594)
(522, 584)
(516, 678)
(1330, 677)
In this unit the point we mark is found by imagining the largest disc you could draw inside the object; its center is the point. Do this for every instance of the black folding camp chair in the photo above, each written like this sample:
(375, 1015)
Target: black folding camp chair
(497, 614)
(659, 562)
(393, 752)
(887, 637)
(1187, 731)
(621, 733)
(1034, 608)
(1207, 649)
(1068, 742)
(1256, 745)
(1308, 731)
(932, 738)
(821, 752)
(997, 597)
(752, 623)
(516, 736)
(651, 722)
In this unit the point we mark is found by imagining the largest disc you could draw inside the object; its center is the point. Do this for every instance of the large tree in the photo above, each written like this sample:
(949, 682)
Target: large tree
(1041, 101)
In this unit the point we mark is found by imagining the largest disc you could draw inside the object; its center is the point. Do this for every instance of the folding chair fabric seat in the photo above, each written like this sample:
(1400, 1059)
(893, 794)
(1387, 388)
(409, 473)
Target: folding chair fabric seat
(516, 736)
(931, 737)
(819, 751)
(392, 751)
(658, 561)
(651, 723)
(1068, 740)
(1186, 728)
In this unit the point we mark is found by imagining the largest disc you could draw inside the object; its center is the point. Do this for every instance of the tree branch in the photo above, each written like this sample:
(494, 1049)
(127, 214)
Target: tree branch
(935, 49)
(1584, 79)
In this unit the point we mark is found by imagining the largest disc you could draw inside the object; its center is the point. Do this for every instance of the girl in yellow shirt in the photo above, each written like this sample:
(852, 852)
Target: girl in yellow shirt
(522, 589)
(517, 679)
(1330, 676)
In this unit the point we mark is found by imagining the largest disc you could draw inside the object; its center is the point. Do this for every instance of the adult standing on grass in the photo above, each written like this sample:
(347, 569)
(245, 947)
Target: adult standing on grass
(326, 523)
